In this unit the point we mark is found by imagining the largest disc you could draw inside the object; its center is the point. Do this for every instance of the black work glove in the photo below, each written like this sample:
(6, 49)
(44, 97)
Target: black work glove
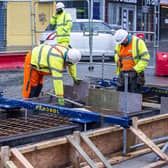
(77, 81)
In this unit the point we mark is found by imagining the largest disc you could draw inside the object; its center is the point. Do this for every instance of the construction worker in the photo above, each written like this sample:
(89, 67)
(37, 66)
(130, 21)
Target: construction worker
(132, 57)
(49, 60)
(63, 22)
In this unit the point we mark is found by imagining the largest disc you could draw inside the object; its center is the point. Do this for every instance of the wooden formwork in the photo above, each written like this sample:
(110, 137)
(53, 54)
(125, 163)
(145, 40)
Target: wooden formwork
(60, 153)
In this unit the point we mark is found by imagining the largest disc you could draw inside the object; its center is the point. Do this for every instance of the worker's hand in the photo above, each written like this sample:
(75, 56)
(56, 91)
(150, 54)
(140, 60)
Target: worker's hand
(77, 81)
(61, 101)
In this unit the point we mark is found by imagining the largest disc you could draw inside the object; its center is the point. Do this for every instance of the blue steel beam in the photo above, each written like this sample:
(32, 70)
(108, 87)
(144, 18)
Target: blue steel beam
(74, 114)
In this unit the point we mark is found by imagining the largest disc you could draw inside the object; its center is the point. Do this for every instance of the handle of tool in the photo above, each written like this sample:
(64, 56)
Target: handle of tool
(67, 100)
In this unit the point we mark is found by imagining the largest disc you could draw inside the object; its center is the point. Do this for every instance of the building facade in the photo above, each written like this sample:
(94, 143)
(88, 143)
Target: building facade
(18, 19)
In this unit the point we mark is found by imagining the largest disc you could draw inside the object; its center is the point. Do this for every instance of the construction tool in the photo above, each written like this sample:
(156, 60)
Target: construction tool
(65, 99)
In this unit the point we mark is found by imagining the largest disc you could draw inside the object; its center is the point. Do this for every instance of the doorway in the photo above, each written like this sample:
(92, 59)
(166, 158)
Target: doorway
(123, 15)
(128, 19)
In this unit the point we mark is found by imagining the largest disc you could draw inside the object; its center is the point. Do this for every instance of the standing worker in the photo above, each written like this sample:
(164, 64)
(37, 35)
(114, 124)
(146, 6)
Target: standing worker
(49, 60)
(63, 22)
(132, 57)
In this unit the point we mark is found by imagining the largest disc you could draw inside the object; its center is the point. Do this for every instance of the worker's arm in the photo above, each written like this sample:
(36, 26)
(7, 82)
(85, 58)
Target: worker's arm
(53, 20)
(116, 59)
(68, 25)
(72, 71)
(144, 57)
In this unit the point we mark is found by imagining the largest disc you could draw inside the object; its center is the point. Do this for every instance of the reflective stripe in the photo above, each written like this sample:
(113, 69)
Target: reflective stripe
(61, 24)
(57, 70)
(141, 55)
(115, 51)
(39, 57)
(145, 59)
(127, 58)
(137, 49)
(144, 53)
(56, 55)
(57, 78)
(48, 55)
(64, 35)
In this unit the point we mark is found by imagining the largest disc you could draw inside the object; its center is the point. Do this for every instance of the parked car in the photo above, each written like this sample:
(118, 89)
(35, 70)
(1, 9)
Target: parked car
(103, 38)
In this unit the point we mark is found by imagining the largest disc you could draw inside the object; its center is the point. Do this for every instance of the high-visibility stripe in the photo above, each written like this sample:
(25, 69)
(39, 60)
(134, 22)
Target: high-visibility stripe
(57, 70)
(64, 35)
(57, 78)
(144, 53)
(127, 58)
(56, 55)
(39, 57)
(61, 24)
(48, 59)
(137, 48)
(69, 20)
(145, 59)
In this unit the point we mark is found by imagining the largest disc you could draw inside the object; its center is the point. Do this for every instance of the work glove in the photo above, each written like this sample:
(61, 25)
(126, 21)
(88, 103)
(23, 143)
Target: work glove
(131, 73)
(61, 101)
(141, 78)
(77, 81)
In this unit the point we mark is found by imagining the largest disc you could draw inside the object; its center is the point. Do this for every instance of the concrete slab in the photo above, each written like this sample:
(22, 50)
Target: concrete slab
(111, 99)
(164, 105)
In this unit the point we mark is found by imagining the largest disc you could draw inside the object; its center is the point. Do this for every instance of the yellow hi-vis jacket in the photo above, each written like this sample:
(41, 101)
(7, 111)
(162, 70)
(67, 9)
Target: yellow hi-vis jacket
(52, 60)
(140, 55)
(63, 24)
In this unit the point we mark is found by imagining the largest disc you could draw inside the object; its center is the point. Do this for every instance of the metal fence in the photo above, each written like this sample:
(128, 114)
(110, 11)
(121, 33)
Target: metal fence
(22, 21)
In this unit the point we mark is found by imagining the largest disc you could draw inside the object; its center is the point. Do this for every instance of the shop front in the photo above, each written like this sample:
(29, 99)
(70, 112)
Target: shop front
(122, 13)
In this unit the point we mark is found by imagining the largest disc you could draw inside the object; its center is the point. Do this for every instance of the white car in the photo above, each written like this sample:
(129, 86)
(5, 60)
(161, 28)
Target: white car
(102, 33)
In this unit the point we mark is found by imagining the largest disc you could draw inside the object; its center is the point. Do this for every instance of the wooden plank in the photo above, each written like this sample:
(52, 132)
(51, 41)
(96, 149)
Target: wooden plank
(153, 105)
(81, 151)
(75, 155)
(4, 155)
(95, 149)
(10, 164)
(120, 158)
(149, 143)
(131, 138)
(157, 164)
(22, 160)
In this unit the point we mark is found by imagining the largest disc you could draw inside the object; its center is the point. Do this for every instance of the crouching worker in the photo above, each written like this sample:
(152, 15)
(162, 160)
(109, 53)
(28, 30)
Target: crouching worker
(131, 57)
(49, 60)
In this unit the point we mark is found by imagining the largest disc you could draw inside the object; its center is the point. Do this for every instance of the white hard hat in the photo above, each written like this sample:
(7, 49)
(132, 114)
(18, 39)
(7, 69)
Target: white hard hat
(120, 35)
(73, 56)
(60, 5)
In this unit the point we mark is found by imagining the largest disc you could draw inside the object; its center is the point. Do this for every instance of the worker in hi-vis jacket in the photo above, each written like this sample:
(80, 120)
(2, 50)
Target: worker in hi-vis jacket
(63, 22)
(132, 57)
(49, 60)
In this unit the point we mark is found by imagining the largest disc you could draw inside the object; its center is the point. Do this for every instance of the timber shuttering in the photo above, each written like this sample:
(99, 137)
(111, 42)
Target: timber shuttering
(109, 140)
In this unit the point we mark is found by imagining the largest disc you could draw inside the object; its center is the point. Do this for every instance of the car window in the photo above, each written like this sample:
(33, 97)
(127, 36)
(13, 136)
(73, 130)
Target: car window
(97, 27)
(76, 27)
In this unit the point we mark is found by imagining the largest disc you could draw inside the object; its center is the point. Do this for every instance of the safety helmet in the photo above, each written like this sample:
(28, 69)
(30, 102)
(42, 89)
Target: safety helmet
(60, 5)
(120, 36)
(73, 56)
